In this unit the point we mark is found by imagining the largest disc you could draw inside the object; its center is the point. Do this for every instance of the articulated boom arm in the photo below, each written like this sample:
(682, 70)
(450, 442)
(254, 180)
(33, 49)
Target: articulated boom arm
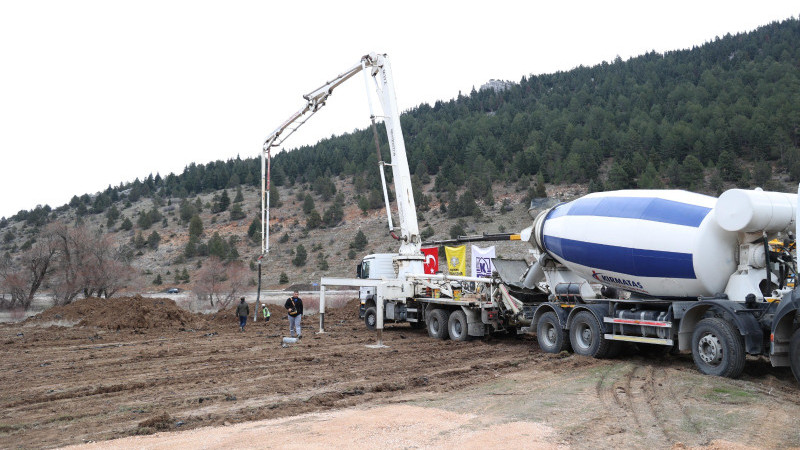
(381, 73)
(406, 208)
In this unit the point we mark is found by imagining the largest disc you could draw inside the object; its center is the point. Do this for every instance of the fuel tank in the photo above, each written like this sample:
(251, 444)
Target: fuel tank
(660, 243)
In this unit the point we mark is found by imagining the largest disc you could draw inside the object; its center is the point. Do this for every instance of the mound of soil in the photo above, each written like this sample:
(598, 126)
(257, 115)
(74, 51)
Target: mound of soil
(228, 315)
(348, 311)
(120, 313)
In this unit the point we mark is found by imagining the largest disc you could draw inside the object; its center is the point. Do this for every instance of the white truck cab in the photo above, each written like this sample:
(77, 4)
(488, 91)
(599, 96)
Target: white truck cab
(375, 266)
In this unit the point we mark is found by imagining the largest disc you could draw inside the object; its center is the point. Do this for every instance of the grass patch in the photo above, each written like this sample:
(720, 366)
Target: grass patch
(729, 394)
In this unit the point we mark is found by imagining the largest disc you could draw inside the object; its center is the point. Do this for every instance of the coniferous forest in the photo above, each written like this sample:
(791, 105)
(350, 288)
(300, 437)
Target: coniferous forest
(723, 113)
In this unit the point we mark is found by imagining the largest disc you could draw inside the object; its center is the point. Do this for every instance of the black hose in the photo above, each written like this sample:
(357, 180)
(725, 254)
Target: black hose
(766, 256)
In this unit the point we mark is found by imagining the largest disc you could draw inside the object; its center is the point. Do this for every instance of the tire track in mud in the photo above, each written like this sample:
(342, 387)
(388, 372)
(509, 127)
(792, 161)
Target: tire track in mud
(652, 399)
(633, 396)
(615, 406)
(682, 406)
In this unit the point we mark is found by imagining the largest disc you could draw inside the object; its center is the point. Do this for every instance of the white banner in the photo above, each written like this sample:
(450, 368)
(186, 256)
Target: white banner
(482, 265)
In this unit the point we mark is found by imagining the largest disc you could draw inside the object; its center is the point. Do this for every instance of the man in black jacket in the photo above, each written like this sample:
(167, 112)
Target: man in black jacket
(243, 310)
(295, 307)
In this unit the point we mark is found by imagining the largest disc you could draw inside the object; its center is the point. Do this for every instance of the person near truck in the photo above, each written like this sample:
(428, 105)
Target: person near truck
(243, 310)
(294, 305)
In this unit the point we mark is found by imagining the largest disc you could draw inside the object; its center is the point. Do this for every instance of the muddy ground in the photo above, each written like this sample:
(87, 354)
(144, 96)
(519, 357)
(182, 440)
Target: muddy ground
(89, 373)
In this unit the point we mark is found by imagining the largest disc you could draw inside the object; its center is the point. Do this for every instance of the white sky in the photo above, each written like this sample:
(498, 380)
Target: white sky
(94, 93)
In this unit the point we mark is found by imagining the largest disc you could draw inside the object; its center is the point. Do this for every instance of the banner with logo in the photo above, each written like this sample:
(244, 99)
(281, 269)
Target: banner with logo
(482, 265)
(431, 259)
(456, 260)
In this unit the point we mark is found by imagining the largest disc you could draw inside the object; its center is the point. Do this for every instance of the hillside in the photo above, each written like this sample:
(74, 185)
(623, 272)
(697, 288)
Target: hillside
(288, 231)
(723, 114)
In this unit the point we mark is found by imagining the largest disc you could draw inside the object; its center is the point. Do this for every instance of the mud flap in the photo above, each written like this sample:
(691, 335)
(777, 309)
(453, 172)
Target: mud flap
(474, 324)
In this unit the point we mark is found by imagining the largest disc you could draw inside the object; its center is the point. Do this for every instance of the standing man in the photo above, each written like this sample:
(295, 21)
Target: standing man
(295, 307)
(243, 310)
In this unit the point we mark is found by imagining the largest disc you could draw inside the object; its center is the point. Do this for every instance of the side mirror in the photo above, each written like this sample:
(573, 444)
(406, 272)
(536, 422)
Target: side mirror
(358, 271)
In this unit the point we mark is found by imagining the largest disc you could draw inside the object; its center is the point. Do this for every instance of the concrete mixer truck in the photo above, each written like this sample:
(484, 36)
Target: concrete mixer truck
(672, 268)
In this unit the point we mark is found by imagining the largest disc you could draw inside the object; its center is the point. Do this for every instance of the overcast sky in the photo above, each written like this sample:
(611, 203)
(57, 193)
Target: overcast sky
(94, 93)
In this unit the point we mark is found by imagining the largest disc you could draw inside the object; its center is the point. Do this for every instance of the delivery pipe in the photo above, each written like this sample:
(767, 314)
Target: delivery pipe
(443, 277)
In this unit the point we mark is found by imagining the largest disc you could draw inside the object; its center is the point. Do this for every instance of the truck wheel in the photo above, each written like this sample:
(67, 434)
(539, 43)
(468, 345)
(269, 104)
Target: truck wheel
(371, 318)
(457, 326)
(437, 324)
(717, 348)
(794, 354)
(552, 338)
(586, 336)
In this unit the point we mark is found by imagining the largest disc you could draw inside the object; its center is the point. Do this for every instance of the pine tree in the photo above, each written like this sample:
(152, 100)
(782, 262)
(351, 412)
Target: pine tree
(224, 201)
(138, 241)
(308, 204)
(457, 229)
(186, 210)
(692, 173)
(333, 215)
(274, 196)
(153, 240)
(363, 204)
(254, 230)
(236, 212)
(144, 222)
(540, 189)
(314, 220)
(727, 167)
(112, 214)
(359, 241)
(195, 227)
(300, 256)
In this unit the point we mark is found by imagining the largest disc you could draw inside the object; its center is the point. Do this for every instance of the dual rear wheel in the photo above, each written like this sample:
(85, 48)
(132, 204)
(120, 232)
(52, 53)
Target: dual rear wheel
(442, 324)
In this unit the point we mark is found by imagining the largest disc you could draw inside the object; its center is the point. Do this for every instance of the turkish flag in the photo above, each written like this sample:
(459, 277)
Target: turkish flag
(431, 259)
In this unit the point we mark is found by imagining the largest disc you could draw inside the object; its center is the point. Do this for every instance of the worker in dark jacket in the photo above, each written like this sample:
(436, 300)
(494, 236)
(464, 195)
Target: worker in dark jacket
(243, 310)
(295, 307)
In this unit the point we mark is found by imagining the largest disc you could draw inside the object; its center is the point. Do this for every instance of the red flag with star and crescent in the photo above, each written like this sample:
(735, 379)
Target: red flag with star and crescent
(431, 259)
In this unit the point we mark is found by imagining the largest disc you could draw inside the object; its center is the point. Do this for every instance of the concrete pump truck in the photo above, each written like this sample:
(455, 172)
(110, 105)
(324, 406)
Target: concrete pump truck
(711, 276)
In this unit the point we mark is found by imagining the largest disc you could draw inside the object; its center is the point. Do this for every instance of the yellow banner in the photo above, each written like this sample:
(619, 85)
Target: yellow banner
(456, 260)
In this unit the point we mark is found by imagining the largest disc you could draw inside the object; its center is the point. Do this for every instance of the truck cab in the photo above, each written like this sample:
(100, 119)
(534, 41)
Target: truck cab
(375, 266)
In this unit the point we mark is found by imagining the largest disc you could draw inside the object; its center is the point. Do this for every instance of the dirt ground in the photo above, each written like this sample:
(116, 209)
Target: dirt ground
(85, 373)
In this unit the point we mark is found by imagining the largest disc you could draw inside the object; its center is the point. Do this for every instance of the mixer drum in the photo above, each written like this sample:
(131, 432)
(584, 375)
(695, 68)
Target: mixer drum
(660, 243)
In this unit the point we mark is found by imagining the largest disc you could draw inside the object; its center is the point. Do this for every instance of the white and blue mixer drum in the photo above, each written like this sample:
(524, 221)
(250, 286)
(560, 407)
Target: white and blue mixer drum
(660, 243)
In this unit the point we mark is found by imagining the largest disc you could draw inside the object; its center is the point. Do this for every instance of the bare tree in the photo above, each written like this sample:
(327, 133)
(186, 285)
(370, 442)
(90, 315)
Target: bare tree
(72, 260)
(209, 280)
(88, 263)
(218, 283)
(24, 280)
(73, 244)
(105, 270)
(234, 284)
